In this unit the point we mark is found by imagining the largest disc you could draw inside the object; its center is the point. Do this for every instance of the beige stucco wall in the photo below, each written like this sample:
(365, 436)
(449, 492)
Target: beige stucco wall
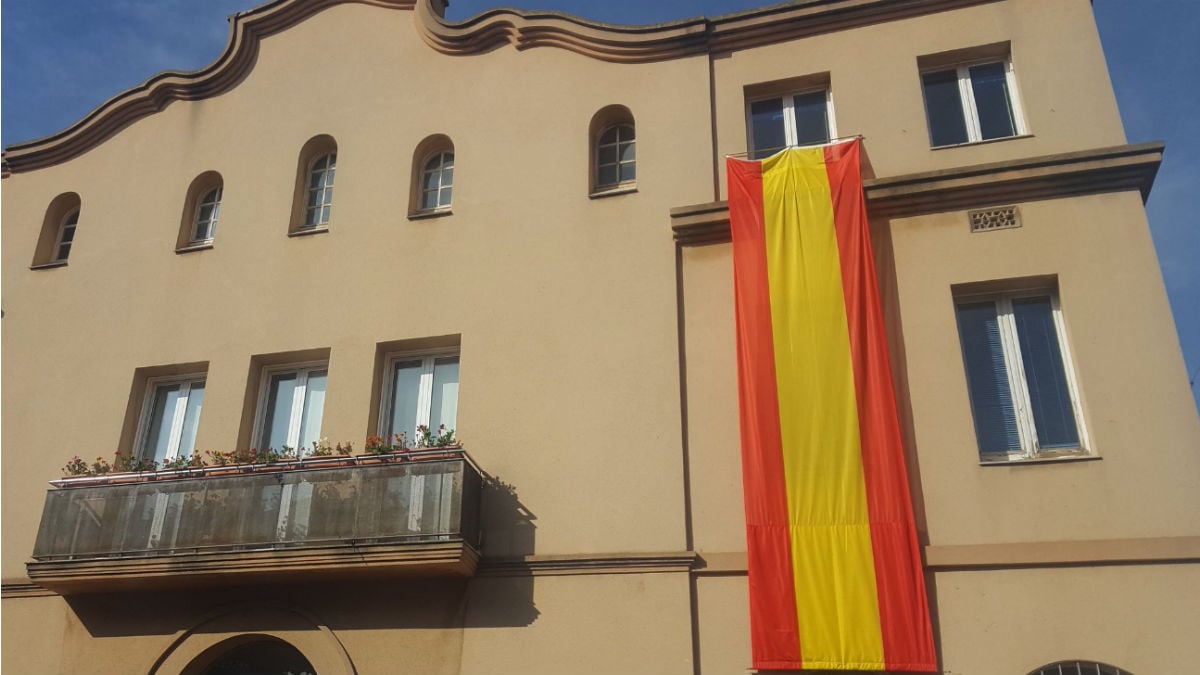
(566, 310)
(1129, 371)
(543, 289)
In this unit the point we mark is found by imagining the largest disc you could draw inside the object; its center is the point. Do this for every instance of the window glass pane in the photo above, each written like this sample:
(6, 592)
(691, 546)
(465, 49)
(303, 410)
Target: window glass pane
(63, 251)
(609, 136)
(68, 234)
(444, 197)
(278, 413)
(607, 175)
(191, 419)
(444, 405)
(987, 379)
(626, 132)
(628, 172)
(608, 154)
(943, 105)
(162, 413)
(448, 175)
(406, 385)
(766, 127)
(629, 152)
(1053, 414)
(989, 84)
(314, 406)
(812, 119)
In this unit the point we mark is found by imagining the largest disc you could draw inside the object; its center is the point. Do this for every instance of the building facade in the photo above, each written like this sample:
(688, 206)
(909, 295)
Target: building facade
(363, 218)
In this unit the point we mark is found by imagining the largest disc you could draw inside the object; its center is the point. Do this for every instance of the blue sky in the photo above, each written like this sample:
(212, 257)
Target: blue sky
(59, 59)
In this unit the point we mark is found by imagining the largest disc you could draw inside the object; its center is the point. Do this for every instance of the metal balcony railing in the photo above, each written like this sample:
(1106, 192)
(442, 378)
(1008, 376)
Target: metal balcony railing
(413, 500)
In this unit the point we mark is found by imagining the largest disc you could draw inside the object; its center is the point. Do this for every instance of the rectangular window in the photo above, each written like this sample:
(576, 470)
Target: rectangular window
(971, 103)
(291, 402)
(170, 417)
(791, 120)
(419, 389)
(1019, 377)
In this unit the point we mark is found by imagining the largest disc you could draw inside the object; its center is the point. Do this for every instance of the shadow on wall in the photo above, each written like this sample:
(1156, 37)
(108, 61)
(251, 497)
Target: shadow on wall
(491, 599)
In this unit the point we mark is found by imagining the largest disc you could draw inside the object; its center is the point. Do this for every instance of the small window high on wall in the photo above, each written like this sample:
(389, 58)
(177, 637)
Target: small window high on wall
(431, 191)
(613, 143)
(201, 212)
(312, 202)
(57, 236)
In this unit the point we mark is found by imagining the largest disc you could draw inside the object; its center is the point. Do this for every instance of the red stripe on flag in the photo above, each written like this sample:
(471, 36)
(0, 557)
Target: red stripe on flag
(774, 635)
(899, 578)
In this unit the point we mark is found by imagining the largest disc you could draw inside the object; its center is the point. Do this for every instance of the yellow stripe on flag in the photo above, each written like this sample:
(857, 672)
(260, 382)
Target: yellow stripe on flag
(836, 602)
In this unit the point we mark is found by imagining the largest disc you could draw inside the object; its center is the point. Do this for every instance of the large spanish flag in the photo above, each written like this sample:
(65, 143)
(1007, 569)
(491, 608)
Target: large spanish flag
(835, 573)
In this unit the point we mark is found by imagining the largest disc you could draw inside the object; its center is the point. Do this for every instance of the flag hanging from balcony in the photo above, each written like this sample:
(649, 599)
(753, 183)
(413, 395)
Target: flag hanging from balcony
(835, 574)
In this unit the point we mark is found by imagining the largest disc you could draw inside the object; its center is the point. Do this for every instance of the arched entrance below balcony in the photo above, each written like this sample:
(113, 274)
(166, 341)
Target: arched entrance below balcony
(251, 655)
(258, 639)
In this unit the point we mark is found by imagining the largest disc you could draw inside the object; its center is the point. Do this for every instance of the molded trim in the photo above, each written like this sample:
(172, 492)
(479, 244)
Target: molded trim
(1115, 169)
(488, 31)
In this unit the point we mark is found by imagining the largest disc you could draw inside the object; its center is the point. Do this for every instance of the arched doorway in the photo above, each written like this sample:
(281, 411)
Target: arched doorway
(251, 655)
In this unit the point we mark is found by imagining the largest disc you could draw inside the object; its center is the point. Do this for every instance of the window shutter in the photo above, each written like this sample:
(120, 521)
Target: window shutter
(1049, 398)
(987, 379)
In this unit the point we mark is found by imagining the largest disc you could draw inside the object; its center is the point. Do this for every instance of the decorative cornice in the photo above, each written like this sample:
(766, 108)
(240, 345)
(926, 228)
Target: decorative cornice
(558, 565)
(660, 42)
(485, 32)
(246, 30)
(1124, 167)
(1064, 553)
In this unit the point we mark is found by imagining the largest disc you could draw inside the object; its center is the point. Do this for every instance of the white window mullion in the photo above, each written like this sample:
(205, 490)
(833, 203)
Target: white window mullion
(425, 393)
(1014, 100)
(177, 418)
(829, 116)
(790, 136)
(1069, 371)
(297, 416)
(1016, 377)
(967, 93)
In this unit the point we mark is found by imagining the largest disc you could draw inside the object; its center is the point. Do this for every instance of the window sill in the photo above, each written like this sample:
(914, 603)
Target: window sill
(601, 193)
(972, 143)
(435, 213)
(198, 246)
(307, 231)
(49, 265)
(1060, 459)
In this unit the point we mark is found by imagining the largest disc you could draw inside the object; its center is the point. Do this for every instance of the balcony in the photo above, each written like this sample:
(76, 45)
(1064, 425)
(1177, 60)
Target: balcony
(415, 514)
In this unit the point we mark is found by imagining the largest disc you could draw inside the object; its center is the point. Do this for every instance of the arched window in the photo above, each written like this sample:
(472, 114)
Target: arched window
(1076, 667)
(613, 150)
(201, 212)
(320, 191)
(437, 182)
(58, 231)
(433, 177)
(313, 199)
(66, 234)
(258, 654)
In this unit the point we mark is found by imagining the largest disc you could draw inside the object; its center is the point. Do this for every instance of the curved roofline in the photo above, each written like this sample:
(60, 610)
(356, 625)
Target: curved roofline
(485, 32)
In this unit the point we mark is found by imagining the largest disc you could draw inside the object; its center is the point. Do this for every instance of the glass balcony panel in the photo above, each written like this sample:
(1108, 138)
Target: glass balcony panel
(419, 501)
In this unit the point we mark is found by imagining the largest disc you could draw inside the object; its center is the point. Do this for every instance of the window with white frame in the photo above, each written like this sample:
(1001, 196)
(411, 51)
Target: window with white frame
(970, 103)
(208, 210)
(616, 157)
(779, 122)
(291, 402)
(437, 182)
(320, 191)
(170, 417)
(66, 235)
(1021, 383)
(421, 388)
